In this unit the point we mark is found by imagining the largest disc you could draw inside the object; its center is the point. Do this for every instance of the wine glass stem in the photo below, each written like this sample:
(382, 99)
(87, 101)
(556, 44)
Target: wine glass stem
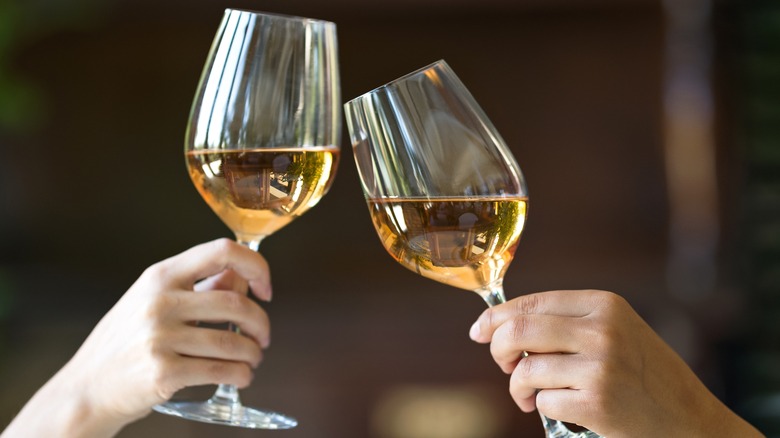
(253, 244)
(494, 296)
(228, 394)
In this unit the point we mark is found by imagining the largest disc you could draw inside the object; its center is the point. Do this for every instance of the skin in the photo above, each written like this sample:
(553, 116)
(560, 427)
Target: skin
(148, 345)
(594, 362)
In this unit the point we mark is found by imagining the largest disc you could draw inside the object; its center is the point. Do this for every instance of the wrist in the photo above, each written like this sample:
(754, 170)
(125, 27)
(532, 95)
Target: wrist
(69, 411)
(724, 422)
(85, 415)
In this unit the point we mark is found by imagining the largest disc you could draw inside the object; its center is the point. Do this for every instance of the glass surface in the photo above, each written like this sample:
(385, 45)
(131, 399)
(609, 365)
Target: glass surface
(445, 194)
(262, 147)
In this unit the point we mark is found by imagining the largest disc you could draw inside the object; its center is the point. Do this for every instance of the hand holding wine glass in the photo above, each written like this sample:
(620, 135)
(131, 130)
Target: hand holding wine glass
(262, 147)
(446, 196)
(148, 345)
(607, 368)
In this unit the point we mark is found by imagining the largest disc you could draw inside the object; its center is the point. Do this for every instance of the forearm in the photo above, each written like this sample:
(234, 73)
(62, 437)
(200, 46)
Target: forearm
(724, 422)
(61, 408)
(694, 408)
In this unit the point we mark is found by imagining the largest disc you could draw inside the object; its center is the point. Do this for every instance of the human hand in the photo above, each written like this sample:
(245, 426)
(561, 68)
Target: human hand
(594, 362)
(148, 346)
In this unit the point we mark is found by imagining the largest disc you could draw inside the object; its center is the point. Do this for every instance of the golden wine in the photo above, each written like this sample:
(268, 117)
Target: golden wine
(257, 191)
(463, 242)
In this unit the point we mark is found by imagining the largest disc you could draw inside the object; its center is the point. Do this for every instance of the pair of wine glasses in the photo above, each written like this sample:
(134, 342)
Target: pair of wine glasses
(444, 192)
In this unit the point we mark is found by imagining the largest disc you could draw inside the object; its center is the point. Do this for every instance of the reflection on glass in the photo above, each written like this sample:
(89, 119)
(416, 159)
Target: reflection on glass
(262, 147)
(445, 194)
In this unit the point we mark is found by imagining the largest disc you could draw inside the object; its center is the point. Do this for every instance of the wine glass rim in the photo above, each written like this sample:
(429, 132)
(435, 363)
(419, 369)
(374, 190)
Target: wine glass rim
(397, 198)
(440, 62)
(279, 15)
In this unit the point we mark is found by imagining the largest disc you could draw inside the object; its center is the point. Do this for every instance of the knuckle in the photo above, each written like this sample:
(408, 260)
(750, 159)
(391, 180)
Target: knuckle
(600, 376)
(546, 404)
(158, 271)
(227, 341)
(237, 374)
(162, 306)
(602, 396)
(599, 403)
(525, 369)
(489, 316)
(516, 387)
(519, 327)
(223, 245)
(606, 338)
(163, 378)
(519, 391)
(217, 371)
(610, 302)
(614, 301)
(156, 347)
(496, 352)
(233, 301)
(528, 304)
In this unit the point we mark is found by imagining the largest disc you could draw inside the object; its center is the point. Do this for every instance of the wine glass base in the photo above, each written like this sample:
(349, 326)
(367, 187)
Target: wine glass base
(557, 429)
(228, 414)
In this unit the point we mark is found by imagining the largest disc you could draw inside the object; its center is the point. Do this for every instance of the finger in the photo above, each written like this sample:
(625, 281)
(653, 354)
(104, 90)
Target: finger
(193, 371)
(213, 257)
(225, 280)
(536, 333)
(567, 405)
(560, 302)
(527, 404)
(547, 371)
(226, 306)
(216, 344)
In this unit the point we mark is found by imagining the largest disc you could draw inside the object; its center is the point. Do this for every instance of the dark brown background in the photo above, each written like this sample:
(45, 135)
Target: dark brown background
(94, 189)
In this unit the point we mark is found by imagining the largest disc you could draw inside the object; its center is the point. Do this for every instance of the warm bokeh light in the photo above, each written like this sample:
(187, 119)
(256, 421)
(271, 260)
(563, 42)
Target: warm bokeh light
(428, 411)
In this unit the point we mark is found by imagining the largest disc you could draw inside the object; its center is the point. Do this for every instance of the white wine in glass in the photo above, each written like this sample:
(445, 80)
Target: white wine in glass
(258, 191)
(262, 147)
(462, 242)
(445, 194)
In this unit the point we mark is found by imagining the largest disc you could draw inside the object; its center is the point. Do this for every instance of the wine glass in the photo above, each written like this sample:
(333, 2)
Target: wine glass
(261, 147)
(445, 194)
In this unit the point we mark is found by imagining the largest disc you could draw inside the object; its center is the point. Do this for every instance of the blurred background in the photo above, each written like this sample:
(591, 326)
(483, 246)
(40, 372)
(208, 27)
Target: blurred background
(648, 132)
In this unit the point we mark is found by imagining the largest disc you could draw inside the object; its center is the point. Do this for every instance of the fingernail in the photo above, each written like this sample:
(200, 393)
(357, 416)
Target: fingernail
(474, 331)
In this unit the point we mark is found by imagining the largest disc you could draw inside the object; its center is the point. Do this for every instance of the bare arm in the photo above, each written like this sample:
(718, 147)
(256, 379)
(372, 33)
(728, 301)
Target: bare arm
(596, 363)
(147, 346)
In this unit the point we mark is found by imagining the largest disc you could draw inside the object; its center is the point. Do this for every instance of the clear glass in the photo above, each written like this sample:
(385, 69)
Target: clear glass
(445, 194)
(262, 147)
